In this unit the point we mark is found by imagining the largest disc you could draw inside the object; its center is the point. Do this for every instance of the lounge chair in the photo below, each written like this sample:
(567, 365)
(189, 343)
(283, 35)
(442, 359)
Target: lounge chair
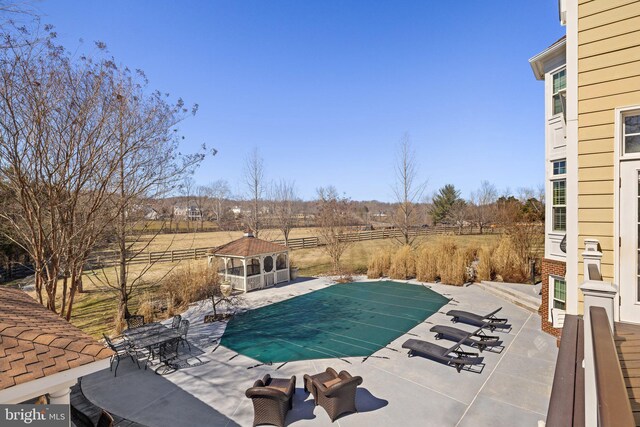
(489, 321)
(473, 339)
(450, 356)
(335, 392)
(272, 398)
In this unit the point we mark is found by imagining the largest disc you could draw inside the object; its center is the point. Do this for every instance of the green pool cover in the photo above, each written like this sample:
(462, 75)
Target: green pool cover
(344, 320)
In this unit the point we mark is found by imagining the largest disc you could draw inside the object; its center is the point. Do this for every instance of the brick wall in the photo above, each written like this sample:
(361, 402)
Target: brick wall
(554, 268)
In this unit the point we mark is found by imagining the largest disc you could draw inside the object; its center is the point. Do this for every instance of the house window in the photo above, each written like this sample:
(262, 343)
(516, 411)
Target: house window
(631, 133)
(559, 207)
(560, 167)
(558, 101)
(559, 292)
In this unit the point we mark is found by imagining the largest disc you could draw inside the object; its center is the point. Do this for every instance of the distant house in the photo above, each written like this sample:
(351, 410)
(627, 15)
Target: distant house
(42, 354)
(191, 213)
(151, 214)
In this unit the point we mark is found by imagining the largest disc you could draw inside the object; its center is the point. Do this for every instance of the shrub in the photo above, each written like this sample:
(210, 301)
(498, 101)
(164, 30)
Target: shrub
(403, 264)
(145, 307)
(379, 265)
(454, 272)
(188, 284)
(509, 264)
(427, 265)
(485, 269)
(445, 251)
(452, 262)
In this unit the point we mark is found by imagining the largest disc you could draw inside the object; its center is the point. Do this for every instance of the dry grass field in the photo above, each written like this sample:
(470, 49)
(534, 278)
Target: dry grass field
(163, 242)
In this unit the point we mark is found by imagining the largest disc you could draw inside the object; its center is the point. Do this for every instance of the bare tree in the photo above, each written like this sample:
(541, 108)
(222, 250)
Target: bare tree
(58, 159)
(333, 219)
(149, 167)
(202, 203)
(254, 183)
(483, 204)
(459, 213)
(219, 192)
(407, 191)
(187, 190)
(283, 199)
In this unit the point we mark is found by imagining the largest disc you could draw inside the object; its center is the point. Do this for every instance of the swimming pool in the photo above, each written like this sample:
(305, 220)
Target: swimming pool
(344, 320)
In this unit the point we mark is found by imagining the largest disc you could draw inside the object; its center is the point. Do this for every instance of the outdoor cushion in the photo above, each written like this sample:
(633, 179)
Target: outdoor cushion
(329, 383)
(281, 384)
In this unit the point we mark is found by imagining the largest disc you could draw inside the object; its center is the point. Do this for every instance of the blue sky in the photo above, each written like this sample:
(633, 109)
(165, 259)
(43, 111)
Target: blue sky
(326, 89)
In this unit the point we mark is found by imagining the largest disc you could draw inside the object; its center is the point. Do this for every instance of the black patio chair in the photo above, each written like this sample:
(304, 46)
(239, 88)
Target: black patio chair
(473, 339)
(168, 355)
(183, 329)
(120, 350)
(488, 321)
(452, 356)
(135, 321)
(175, 323)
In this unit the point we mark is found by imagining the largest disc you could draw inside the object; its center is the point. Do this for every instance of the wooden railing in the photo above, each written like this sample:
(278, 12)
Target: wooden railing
(566, 406)
(614, 408)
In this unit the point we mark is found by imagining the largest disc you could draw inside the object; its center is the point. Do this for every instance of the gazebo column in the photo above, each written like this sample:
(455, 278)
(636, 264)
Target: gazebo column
(286, 255)
(244, 265)
(262, 282)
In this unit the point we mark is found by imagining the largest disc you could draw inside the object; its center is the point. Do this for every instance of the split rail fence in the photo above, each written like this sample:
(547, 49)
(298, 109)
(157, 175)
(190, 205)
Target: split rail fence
(110, 258)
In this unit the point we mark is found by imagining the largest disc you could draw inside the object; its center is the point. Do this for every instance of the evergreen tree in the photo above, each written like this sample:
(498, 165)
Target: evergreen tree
(443, 203)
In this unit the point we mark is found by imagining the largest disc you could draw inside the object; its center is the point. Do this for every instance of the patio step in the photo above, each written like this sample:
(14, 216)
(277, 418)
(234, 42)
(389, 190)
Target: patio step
(521, 299)
(85, 414)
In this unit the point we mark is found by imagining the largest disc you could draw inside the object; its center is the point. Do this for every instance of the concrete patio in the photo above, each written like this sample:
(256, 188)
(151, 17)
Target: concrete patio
(513, 388)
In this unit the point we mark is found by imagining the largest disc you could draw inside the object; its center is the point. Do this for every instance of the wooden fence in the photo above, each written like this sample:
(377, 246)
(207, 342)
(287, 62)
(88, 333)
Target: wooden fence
(110, 258)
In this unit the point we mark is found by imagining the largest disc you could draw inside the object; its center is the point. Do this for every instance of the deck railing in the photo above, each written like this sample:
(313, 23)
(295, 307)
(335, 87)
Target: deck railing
(614, 409)
(566, 406)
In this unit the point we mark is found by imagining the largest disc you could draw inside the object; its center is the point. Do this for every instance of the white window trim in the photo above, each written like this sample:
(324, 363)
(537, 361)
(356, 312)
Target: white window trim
(552, 285)
(560, 175)
(551, 74)
(619, 156)
(621, 113)
(556, 178)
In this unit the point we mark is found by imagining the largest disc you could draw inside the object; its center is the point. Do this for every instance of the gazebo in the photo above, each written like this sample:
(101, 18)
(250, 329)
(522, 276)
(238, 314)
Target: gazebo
(250, 263)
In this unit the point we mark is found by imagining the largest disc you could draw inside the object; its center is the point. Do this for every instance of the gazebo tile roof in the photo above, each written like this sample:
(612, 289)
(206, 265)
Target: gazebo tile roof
(249, 246)
(37, 342)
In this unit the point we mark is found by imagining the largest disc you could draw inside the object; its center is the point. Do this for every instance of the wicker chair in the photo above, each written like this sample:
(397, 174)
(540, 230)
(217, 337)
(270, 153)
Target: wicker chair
(105, 420)
(272, 399)
(135, 321)
(175, 323)
(336, 393)
(120, 350)
(183, 330)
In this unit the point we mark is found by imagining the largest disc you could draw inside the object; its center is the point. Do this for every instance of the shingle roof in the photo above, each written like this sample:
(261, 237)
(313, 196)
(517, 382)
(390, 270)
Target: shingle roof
(249, 246)
(35, 342)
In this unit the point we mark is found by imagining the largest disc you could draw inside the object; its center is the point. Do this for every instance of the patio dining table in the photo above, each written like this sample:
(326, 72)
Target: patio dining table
(150, 335)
